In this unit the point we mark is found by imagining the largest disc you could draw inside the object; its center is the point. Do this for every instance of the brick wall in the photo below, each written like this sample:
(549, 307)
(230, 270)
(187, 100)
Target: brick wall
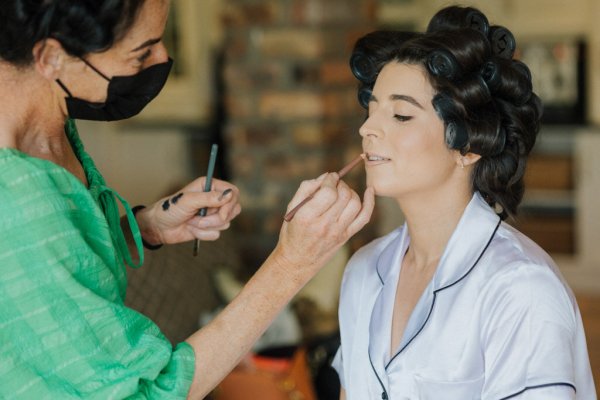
(290, 105)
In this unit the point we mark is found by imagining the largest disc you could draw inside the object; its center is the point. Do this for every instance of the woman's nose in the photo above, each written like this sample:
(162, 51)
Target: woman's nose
(160, 54)
(369, 128)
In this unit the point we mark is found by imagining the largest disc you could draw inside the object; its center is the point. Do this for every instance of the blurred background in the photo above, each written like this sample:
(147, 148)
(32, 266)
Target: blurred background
(269, 82)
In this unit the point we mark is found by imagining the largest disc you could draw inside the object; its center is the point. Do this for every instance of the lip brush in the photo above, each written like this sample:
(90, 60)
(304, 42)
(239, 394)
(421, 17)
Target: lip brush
(288, 217)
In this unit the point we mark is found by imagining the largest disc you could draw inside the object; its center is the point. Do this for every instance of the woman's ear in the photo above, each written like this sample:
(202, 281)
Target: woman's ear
(464, 160)
(49, 58)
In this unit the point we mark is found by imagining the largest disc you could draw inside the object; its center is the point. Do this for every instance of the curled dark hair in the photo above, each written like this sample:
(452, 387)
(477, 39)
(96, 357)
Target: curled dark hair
(81, 26)
(483, 95)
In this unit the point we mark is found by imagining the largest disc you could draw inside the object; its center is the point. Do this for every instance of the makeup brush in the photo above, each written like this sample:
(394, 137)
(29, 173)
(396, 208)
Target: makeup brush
(207, 187)
(288, 217)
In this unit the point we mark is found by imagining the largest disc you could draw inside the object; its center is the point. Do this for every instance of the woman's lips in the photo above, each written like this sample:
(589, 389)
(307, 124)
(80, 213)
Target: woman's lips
(374, 159)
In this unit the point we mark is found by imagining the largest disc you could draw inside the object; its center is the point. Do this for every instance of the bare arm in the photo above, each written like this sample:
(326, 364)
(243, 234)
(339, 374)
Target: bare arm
(305, 245)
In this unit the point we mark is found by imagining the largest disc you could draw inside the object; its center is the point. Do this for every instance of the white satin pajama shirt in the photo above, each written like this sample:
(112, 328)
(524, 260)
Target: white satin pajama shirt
(497, 321)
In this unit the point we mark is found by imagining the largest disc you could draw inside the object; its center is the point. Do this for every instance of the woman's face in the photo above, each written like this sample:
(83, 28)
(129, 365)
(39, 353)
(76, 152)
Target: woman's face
(403, 136)
(140, 48)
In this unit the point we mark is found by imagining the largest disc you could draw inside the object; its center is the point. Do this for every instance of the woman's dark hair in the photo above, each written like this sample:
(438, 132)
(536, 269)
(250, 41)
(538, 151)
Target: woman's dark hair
(484, 97)
(81, 26)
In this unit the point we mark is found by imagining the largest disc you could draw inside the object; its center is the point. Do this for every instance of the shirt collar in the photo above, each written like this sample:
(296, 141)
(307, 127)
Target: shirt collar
(468, 241)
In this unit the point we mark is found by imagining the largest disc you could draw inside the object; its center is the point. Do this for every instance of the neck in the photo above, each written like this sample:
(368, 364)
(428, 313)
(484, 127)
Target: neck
(32, 121)
(32, 118)
(431, 219)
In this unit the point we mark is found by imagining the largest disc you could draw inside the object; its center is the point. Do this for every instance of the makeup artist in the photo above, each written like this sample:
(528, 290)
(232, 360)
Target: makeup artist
(64, 331)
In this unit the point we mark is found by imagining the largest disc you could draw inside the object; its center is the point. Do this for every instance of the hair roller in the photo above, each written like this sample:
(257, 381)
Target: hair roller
(456, 135)
(452, 18)
(491, 75)
(363, 67)
(443, 105)
(364, 96)
(503, 42)
(455, 132)
(476, 20)
(441, 63)
(522, 68)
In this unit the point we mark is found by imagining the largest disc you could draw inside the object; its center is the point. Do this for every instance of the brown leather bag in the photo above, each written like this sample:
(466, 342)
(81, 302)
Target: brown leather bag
(269, 379)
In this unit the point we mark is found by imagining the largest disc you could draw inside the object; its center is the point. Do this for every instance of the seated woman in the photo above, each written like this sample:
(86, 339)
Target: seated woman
(455, 304)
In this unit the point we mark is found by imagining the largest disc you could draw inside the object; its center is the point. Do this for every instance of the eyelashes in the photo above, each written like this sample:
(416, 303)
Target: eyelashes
(399, 118)
(144, 56)
(402, 118)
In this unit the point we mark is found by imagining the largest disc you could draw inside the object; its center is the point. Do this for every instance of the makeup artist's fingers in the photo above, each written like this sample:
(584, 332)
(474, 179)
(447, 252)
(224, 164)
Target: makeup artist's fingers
(364, 216)
(231, 209)
(209, 222)
(204, 235)
(307, 188)
(343, 197)
(197, 185)
(193, 201)
(351, 209)
(322, 199)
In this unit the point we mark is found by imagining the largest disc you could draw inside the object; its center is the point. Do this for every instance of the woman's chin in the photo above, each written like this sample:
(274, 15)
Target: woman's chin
(382, 191)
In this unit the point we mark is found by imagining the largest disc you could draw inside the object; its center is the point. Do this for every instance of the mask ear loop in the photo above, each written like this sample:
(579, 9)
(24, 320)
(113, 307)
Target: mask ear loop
(63, 87)
(96, 70)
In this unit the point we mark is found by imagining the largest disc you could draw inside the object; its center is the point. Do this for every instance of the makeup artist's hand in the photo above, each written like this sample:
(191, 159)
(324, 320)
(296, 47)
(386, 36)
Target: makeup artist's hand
(333, 215)
(173, 219)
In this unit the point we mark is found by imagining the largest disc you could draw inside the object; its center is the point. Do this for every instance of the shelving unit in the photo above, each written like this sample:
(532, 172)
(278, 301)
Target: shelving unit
(548, 210)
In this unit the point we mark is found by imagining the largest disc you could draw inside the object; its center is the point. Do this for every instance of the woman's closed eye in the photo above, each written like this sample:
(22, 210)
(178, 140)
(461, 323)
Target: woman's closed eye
(144, 56)
(402, 118)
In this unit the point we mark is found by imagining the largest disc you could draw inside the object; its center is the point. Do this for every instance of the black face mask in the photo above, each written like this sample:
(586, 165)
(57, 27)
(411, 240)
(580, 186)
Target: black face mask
(126, 97)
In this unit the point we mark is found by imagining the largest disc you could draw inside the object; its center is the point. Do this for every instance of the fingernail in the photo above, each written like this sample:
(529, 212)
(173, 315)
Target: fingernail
(225, 193)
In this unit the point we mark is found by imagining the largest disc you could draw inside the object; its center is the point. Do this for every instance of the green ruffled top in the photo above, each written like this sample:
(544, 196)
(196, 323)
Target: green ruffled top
(64, 330)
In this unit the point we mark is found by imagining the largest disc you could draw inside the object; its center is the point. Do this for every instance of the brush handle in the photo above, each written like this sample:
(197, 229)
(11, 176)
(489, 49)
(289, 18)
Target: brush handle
(342, 172)
(207, 186)
(288, 217)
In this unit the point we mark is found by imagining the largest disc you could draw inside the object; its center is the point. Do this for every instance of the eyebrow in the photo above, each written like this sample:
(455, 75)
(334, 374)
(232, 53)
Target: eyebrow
(147, 43)
(403, 97)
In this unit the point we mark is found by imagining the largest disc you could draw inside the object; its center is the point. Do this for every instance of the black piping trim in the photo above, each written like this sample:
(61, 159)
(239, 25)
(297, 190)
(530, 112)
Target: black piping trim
(378, 378)
(444, 288)
(368, 352)
(541, 386)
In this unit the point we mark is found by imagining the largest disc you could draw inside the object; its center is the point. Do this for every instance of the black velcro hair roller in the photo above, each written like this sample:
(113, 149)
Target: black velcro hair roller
(364, 96)
(455, 131)
(442, 63)
(476, 20)
(363, 67)
(503, 42)
(491, 75)
(527, 84)
(522, 68)
(451, 18)
(456, 135)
